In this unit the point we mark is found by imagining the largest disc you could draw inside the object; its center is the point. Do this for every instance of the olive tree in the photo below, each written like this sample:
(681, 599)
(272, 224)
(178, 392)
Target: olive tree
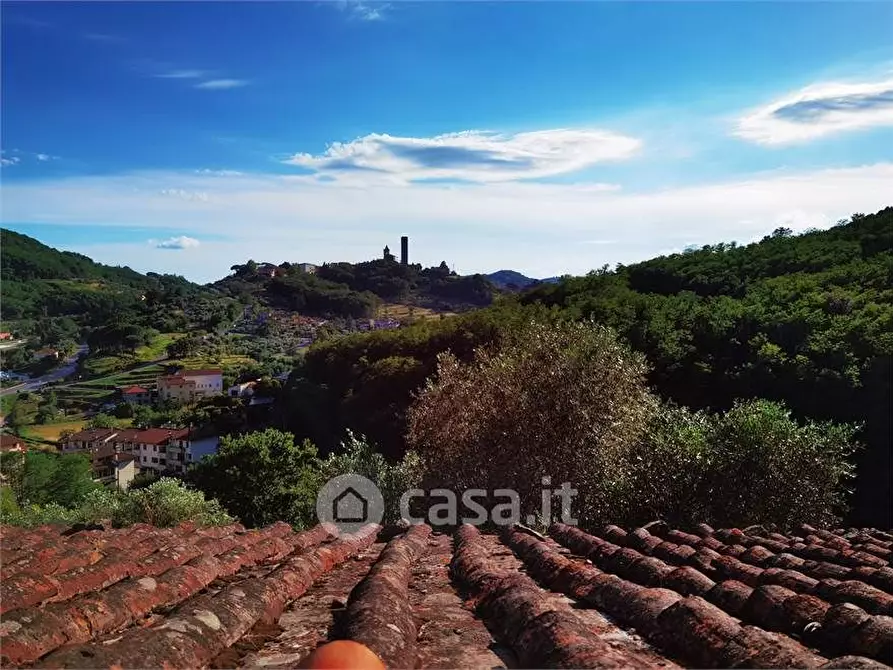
(564, 401)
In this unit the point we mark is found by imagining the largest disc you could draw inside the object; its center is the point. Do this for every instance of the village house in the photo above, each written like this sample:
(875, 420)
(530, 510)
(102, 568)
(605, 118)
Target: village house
(136, 395)
(159, 449)
(88, 440)
(189, 386)
(11, 444)
(113, 468)
(5, 336)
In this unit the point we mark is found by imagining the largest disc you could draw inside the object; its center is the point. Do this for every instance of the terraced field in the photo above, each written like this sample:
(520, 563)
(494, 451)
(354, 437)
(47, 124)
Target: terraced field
(652, 597)
(89, 393)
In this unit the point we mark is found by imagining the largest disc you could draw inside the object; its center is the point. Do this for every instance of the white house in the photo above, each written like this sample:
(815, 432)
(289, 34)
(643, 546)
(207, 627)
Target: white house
(187, 386)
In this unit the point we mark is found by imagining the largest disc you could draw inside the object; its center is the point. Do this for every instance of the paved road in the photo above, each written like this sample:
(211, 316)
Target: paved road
(68, 367)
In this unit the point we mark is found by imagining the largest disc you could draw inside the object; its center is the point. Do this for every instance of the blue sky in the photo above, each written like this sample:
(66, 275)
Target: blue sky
(542, 137)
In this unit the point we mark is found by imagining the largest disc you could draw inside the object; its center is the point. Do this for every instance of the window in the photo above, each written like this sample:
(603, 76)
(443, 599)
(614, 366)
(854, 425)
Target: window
(154, 460)
(163, 461)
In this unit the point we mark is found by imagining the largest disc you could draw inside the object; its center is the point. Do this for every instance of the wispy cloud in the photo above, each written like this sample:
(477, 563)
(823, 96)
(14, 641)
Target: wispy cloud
(219, 173)
(105, 37)
(362, 10)
(368, 12)
(181, 242)
(221, 84)
(473, 155)
(181, 74)
(819, 110)
(26, 21)
(184, 194)
(18, 155)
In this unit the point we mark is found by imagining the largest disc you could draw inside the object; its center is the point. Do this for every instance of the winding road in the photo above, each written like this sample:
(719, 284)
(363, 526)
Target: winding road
(69, 365)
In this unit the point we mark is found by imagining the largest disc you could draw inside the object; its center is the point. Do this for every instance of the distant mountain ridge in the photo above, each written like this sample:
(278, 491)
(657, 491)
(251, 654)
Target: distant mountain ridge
(510, 279)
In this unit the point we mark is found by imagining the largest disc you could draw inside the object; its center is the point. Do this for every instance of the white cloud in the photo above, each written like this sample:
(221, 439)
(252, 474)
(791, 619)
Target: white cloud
(221, 84)
(182, 74)
(538, 229)
(219, 173)
(363, 11)
(819, 110)
(366, 12)
(472, 155)
(181, 242)
(183, 194)
(8, 161)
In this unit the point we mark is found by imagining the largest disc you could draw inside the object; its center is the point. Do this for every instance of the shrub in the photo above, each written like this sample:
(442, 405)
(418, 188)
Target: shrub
(752, 464)
(167, 502)
(358, 456)
(565, 401)
(767, 468)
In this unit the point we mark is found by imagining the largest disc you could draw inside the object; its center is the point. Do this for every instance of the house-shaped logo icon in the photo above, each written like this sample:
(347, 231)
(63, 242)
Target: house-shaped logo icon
(350, 501)
(350, 506)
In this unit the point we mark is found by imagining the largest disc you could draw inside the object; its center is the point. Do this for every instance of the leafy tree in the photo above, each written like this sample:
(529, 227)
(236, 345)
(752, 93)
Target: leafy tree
(56, 479)
(564, 401)
(262, 477)
(102, 421)
(48, 408)
(18, 416)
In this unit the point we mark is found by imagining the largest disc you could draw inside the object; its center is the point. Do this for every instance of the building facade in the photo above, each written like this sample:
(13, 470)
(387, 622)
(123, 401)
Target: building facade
(189, 386)
(159, 449)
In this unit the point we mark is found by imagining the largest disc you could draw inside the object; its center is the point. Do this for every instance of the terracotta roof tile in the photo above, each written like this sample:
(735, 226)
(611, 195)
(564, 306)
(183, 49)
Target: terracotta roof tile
(230, 597)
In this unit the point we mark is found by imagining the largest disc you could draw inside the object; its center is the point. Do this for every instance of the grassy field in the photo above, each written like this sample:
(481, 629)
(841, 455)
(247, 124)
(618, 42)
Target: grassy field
(49, 433)
(106, 365)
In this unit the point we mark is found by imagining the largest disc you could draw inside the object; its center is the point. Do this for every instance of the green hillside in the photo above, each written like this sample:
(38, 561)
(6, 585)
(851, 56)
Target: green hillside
(805, 319)
(56, 298)
(357, 289)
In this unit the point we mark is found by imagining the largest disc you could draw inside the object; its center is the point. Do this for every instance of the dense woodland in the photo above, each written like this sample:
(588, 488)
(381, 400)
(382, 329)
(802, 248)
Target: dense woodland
(805, 319)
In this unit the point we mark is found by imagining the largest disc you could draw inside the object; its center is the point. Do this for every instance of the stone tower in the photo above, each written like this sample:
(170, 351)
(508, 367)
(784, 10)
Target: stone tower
(404, 250)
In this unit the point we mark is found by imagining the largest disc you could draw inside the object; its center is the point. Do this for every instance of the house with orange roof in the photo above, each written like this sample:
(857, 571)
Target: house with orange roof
(136, 395)
(189, 386)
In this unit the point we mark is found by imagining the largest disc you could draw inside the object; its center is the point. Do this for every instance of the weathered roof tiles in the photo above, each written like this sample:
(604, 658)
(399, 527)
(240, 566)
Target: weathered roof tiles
(647, 597)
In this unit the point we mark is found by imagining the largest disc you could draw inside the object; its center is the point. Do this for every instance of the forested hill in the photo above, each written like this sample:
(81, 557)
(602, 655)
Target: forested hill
(356, 289)
(807, 319)
(39, 281)
(25, 258)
